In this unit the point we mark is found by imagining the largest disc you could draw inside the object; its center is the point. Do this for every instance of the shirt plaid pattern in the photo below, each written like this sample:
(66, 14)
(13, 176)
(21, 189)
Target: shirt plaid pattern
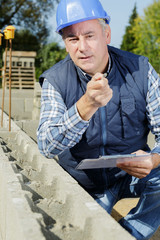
(153, 106)
(61, 128)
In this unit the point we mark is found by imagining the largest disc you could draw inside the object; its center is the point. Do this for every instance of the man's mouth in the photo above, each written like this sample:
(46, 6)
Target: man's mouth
(85, 58)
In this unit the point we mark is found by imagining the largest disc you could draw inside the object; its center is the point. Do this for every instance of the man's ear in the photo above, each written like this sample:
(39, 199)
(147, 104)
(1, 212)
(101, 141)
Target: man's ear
(108, 34)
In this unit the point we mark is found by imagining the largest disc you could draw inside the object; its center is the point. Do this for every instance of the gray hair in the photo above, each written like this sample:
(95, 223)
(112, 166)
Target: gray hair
(103, 23)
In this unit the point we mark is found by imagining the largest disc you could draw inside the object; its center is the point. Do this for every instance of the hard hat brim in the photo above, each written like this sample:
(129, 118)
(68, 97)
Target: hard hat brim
(64, 25)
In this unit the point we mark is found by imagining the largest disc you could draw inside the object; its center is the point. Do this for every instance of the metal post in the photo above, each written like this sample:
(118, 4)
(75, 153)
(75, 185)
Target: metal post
(9, 34)
(10, 72)
(4, 81)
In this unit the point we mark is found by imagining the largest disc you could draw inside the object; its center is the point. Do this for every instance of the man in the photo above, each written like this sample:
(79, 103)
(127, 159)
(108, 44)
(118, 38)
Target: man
(85, 114)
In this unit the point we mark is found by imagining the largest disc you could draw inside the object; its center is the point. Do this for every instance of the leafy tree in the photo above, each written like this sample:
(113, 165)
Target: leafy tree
(27, 14)
(128, 38)
(147, 34)
(25, 41)
(48, 56)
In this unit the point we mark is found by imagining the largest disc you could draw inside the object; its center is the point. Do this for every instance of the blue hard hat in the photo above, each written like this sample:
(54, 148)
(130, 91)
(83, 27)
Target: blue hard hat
(74, 11)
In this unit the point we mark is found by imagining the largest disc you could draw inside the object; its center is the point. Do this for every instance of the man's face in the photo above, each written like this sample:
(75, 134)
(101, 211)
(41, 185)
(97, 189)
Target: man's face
(86, 42)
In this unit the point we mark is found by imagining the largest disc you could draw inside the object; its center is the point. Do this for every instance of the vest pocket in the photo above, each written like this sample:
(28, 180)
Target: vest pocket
(130, 123)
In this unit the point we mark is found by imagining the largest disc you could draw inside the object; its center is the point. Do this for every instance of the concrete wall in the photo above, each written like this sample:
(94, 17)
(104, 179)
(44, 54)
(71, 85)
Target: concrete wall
(25, 103)
(21, 103)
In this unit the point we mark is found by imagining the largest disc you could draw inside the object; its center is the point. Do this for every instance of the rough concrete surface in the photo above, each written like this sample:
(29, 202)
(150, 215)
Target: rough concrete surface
(22, 103)
(39, 200)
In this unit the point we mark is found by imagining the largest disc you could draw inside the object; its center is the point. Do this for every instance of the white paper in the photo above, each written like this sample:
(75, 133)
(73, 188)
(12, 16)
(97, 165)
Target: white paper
(110, 161)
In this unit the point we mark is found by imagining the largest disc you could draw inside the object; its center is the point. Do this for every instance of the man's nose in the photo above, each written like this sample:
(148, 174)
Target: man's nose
(82, 44)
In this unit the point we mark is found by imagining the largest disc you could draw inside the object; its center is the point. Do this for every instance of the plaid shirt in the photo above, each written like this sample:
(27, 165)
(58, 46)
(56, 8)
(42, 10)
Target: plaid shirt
(61, 128)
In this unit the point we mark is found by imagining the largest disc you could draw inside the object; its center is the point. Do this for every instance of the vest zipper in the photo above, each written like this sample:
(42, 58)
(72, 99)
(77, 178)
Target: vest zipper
(103, 130)
(104, 139)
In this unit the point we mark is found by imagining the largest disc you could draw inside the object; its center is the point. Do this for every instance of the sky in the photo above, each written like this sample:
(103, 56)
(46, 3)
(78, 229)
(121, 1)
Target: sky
(119, 11)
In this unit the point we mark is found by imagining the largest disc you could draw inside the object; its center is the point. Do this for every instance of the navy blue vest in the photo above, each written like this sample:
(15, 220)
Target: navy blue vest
(120, 127)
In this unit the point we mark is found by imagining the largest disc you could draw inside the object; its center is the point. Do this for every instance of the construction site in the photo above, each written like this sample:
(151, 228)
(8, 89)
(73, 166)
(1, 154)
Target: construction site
(38, 199)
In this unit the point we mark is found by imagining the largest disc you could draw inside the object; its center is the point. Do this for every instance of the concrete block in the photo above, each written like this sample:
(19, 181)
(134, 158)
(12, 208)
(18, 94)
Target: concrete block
(36, 113)
(98, 227)
(21, 103)
(17, 219)
(17, 107)
(28, 104)
(37, 103)
(19, 93)
(30, 127)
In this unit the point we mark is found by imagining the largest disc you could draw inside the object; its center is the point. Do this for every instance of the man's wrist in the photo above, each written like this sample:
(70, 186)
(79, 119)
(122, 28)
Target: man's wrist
(85, 109)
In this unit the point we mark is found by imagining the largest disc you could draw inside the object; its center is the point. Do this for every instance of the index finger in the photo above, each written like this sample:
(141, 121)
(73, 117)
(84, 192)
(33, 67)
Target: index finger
(99, 76)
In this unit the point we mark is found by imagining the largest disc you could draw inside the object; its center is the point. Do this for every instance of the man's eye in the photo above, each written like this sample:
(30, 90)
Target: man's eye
(73, 39)
(90, 36)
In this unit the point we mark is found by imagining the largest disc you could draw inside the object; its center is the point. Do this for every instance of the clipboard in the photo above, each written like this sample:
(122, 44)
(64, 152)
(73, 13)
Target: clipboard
(110, 161)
